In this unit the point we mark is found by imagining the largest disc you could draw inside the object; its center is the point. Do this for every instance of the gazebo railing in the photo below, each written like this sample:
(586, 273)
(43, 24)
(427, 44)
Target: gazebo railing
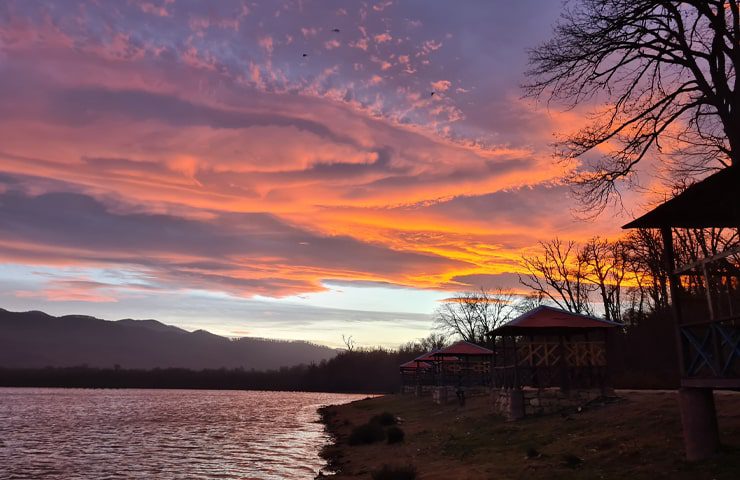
(466, 374)
(555, 376)
(709, 330)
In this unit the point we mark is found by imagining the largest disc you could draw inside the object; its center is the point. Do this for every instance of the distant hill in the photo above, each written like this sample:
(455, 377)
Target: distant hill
(35, 339)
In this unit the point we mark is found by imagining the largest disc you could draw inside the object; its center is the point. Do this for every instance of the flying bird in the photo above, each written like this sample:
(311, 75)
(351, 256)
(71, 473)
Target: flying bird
(305, 54)
(336, 30)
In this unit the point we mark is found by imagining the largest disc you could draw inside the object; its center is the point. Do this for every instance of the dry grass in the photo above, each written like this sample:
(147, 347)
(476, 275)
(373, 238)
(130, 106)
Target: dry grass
(637, 438)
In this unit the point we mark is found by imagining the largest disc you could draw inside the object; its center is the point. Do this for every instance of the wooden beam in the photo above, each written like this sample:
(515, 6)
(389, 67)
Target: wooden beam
(714, 383)
(702, 262)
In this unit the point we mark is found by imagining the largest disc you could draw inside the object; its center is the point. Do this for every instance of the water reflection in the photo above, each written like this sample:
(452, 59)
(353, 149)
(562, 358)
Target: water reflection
(70, 433)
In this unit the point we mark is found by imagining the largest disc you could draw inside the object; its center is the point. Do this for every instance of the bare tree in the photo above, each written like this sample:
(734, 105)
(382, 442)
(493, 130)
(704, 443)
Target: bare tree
(607, 267)
(697, 243)
(529, 302)
(349, 342)
(666, 70)
(433, 341)
(559, 274)
(648, 271)
(470, 315)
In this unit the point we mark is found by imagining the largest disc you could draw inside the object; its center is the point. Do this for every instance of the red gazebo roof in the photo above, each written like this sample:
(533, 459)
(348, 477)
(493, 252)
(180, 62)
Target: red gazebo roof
(415, 365)
(462, 348)
(430, 356)
(550, 318)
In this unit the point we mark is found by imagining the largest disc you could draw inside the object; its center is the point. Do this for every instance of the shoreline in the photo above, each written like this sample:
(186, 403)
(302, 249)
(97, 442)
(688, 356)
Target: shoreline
(638, 436)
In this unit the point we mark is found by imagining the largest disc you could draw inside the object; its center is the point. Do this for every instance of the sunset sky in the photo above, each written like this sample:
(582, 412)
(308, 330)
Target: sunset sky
(244, 168)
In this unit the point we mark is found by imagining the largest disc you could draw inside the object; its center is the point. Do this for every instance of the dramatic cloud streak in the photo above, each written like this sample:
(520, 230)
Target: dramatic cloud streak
(251, 149)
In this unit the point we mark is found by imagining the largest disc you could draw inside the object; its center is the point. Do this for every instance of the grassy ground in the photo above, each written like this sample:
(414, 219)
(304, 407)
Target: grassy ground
(638, 437)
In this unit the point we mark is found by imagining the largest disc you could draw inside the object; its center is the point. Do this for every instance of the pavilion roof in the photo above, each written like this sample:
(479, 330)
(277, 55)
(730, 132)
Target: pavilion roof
(415, 365)
(425, 356)
(430, 356)
(549, 318)
(462, 348)
(712, 202)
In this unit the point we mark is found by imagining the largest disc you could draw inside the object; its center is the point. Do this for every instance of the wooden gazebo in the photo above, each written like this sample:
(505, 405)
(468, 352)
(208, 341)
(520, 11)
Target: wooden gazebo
(462, 364)
(708, 335)
(551, 348)
(415, 375)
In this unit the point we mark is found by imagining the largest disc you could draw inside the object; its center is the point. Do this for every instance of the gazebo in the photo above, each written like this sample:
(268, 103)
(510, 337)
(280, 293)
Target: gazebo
(708, 334)
(547, 359)
(419, 376)
(415, 375)
(463, 364)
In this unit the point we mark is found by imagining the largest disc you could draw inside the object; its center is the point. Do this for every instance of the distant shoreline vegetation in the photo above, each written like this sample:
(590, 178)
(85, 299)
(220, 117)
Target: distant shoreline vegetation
(173, 378)
(350, 372)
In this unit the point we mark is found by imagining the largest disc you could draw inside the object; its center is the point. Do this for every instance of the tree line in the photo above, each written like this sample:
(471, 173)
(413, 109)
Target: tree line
(623, 280)
(361, 371)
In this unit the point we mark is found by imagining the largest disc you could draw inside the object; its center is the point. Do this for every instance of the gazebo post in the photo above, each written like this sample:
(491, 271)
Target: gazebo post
(698, 412)
(564, 380)
(605, 372)
(674, 287)
(516, 363)
(494, 361)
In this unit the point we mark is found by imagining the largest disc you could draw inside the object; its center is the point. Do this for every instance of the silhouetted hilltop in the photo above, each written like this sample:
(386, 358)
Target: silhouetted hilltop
(35, 339)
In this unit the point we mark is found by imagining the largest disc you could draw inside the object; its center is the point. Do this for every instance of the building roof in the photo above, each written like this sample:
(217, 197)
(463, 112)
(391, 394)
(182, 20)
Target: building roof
(712, 202)
(462, 348)
(550, 318)
(430, 356)
(415, 365)
(425, 356)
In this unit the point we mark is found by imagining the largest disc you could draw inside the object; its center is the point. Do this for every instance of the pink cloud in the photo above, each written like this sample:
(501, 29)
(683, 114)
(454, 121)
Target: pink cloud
(441, 85)
(332, 44)
(152, 9)
(383, 37)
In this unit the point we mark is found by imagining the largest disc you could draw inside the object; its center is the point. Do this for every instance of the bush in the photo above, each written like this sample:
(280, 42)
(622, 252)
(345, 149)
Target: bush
(388, 472)
(395, 435)
(533, 453)
(367, 433)
(385, 418)
(572, 461)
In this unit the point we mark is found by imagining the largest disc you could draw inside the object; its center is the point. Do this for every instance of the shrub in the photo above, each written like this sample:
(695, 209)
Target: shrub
(388, 472)
(395, 435)
(367, 433)
(533, 453)
(572, 461)
(385, 418)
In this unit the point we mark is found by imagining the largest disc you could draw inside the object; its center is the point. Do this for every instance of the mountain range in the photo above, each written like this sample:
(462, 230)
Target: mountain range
(35, 339)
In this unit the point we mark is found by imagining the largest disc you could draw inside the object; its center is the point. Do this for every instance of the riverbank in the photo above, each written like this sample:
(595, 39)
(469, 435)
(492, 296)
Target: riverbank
(637, 437)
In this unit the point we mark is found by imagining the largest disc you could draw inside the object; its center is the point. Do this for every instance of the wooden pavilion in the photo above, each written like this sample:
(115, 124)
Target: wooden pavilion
(415, 376)
(549, 347)
(446, 371)
(419, 375)
(547, 359)
(708, 335)
(462, 364)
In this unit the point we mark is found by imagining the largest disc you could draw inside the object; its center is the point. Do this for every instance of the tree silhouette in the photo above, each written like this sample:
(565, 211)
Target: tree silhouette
(349, 342)
(666, 70)
(559, 275)
(470, 315)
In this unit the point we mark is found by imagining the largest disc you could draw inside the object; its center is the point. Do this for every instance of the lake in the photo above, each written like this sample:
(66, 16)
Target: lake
(164, 434)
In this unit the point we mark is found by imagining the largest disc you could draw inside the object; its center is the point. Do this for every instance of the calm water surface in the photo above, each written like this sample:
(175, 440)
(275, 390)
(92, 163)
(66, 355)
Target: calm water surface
(163, 434)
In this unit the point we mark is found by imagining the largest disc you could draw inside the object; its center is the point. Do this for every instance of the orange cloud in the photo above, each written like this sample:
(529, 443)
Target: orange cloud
(257, 180)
